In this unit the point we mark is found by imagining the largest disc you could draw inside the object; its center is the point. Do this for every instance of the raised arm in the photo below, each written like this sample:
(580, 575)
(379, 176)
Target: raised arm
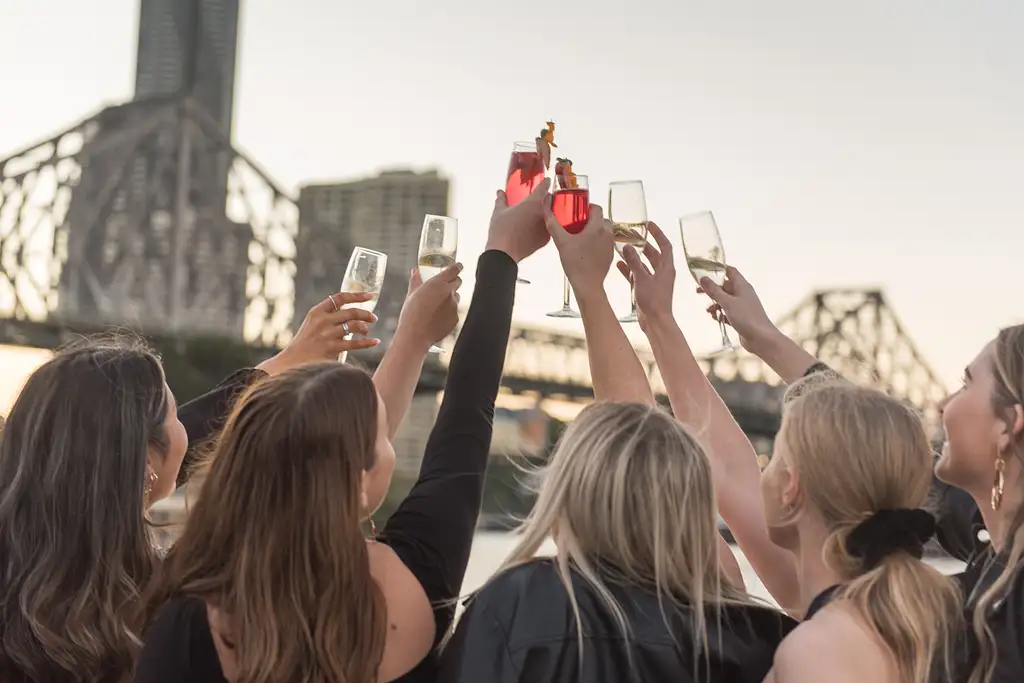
(615, 370)
(429, 315)
(696, 403)
(432, 530)
(321, 337)
(738, 302)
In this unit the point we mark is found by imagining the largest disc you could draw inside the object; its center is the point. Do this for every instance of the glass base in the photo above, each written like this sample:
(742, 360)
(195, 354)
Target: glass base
(435, 349)
(728, 348)
(523, 281)
(564, 313)
(631, 318)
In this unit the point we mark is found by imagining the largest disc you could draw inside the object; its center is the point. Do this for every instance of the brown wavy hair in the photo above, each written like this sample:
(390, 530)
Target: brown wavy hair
(75, 548)
(274, 541)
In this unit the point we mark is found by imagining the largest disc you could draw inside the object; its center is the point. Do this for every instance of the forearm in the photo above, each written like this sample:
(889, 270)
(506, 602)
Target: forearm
(734, 463)
(694, 401)
(397, 375)
(788, 359)
(615, 370)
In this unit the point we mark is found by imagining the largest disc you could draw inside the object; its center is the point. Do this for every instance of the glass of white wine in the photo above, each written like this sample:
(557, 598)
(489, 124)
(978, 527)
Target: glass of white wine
(627, 210)
(365, 273)
(705, 257)
(439, 242)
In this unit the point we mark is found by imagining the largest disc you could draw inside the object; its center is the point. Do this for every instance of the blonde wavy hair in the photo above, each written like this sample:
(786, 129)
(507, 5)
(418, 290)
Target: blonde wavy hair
(857, 452)
(1009, 392)
(628, 484)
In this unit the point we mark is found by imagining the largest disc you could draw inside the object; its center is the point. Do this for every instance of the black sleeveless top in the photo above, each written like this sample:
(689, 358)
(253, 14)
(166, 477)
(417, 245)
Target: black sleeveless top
(820, 600)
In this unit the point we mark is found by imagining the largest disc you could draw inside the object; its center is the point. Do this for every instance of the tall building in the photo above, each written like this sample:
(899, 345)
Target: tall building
(189, 46)
(384, 213)
(150, 242)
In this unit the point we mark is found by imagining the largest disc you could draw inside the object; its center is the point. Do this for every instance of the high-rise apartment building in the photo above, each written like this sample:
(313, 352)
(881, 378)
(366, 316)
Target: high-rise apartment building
(384, 213)
(189, 46)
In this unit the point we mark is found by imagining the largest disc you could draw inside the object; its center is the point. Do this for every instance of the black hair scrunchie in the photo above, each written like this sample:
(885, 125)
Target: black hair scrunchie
(890, 531)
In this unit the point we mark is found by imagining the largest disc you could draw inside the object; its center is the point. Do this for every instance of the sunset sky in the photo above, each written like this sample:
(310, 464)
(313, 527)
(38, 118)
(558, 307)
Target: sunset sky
(869, 143)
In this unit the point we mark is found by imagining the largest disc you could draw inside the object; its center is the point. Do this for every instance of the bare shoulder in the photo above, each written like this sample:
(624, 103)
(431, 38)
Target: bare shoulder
(832, 647)
(410, 617)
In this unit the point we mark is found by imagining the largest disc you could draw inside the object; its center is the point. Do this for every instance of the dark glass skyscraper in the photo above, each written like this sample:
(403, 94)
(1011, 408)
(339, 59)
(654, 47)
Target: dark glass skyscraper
(189, 45)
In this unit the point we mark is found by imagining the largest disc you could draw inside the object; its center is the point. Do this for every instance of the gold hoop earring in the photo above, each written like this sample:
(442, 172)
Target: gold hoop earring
(373, 531)
(151, 478)
(999, 484)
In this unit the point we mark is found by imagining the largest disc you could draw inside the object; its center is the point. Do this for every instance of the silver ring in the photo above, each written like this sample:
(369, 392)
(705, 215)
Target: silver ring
(333, 302)
(344, 327)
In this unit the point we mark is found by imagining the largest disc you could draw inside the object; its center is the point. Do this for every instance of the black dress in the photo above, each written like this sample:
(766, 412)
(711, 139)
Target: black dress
(432, 530)
(521, 628)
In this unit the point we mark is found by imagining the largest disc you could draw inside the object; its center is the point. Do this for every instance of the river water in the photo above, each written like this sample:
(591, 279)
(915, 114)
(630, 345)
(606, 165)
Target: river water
(491, 548)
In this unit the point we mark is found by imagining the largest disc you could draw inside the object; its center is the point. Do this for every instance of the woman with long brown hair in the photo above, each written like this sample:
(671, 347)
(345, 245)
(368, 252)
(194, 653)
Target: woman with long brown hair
(273, 579)
(833, 526)
(93, 440)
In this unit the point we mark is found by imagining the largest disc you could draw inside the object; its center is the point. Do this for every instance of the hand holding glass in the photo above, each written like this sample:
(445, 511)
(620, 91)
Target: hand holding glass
(627, 210)
(439, 242)
(365, 273)
(571, 205)
(525, 173)
(705, 257)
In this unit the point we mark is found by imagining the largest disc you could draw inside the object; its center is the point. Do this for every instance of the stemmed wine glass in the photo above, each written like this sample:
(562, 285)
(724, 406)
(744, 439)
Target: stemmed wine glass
(627, 210)
(571, 205)
(365, 273)
(439, 242)
(525, 173)
(705, 257)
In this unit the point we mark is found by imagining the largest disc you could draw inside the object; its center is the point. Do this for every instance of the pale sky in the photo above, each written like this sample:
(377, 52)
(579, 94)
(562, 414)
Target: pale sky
(838, 143)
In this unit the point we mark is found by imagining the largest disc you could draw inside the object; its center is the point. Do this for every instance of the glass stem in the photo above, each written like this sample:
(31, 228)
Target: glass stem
(632, 299)
(343, 356)
(566, 292)
(725, 332)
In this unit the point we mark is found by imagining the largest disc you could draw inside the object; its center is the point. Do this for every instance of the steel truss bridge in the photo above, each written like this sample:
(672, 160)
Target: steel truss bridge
(145, 215)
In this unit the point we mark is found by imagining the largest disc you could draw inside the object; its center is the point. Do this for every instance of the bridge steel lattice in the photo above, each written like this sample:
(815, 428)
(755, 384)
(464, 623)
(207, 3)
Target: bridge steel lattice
(144, 214)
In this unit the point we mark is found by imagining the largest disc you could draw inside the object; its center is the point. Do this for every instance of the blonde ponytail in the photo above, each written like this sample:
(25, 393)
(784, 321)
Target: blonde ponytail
(865, 464)
(911, 606)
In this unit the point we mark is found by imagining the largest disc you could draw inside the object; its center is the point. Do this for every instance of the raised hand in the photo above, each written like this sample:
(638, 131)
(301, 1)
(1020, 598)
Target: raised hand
(737, 301)
(587, 255)
(323, 333)
(431, 310)
(653, 289)
(519, 230)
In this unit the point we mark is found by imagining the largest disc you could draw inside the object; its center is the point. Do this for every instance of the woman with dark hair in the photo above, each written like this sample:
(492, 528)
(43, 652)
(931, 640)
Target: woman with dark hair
(273, 578)
(93, 440)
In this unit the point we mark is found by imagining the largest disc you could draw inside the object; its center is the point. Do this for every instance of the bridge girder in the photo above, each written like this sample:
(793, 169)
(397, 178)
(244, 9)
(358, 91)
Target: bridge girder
(144, 214)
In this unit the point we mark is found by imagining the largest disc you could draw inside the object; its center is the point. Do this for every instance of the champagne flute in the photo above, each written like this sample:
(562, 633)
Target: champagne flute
(571, 206)
(439, 242)
(525, 173)
(627, 210)
(365, 273)
(705, 257)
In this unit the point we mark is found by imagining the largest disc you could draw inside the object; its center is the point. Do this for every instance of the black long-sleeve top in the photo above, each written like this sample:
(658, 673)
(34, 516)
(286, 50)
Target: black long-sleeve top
(432, 530)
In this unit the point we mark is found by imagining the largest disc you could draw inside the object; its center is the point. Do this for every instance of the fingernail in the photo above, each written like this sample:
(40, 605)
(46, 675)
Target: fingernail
(459, 266)
(374, 316)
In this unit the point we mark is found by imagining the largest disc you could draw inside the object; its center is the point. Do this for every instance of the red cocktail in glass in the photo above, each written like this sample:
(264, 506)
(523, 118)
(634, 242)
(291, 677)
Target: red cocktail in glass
(570, 202)
(525, 172)
(572, 208)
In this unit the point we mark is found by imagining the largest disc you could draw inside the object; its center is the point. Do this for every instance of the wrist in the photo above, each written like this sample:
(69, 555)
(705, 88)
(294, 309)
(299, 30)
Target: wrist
(407, 340)
(764, 339)
(503, 245)
(276, 364)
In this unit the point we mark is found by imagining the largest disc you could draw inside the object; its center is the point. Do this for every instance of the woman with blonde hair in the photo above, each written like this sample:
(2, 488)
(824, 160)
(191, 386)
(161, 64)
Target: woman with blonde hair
(982, 456)
(642, 586)
(833, 526)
